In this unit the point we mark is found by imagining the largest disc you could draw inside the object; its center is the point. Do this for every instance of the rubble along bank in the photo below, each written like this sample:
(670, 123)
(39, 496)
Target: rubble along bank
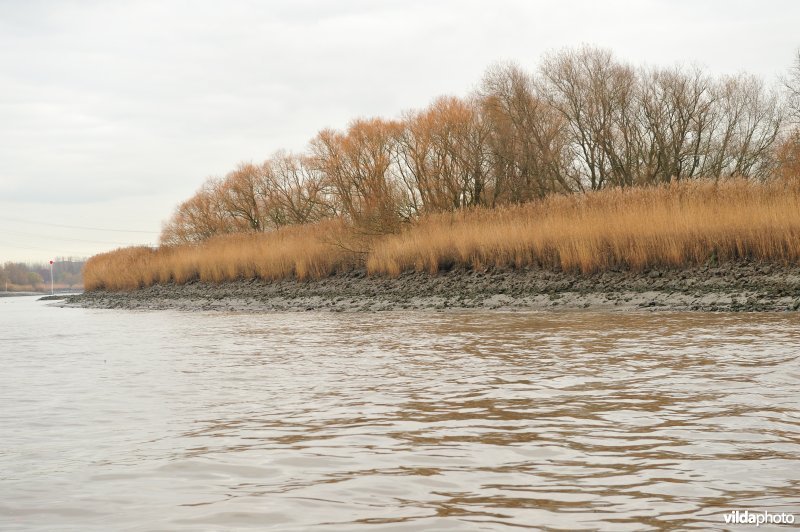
(731, 287)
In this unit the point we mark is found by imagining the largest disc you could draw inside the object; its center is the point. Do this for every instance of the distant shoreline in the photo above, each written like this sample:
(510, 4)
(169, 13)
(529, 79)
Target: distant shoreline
(58, 293)
(728, 287)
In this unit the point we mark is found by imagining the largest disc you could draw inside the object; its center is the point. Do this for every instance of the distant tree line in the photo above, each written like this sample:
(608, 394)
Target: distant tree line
(583, 121)
(67, 272)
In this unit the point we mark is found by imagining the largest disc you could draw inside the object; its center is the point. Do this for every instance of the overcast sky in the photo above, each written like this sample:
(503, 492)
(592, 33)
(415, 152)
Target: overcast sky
(111, 113)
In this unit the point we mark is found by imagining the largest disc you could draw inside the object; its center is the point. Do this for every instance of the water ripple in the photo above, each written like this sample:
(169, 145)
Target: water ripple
(402, 421)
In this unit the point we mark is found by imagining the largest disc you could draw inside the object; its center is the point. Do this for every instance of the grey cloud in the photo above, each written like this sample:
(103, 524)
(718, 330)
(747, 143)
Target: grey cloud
(103, 100)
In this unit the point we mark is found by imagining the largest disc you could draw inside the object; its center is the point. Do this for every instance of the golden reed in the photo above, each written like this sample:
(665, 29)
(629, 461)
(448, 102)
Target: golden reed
(676, 225)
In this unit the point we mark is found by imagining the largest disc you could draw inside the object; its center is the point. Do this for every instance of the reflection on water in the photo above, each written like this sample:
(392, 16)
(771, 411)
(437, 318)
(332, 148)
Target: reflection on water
(395, 421)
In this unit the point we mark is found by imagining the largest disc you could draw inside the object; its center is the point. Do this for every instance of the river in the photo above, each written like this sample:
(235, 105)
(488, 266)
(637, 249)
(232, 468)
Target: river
(142, 420)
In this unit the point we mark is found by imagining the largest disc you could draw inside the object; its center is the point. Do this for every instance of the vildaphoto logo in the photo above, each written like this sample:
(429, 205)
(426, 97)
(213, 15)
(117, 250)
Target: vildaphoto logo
(749, 517)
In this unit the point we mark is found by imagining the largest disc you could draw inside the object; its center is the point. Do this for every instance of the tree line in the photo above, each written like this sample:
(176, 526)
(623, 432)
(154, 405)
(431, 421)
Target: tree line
(16, 275)
(584, 120)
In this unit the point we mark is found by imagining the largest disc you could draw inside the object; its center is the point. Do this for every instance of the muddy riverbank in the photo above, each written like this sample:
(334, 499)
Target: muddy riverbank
(737, 287)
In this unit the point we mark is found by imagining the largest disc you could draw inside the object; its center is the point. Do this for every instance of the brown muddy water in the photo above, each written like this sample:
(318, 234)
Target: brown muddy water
(167, 420)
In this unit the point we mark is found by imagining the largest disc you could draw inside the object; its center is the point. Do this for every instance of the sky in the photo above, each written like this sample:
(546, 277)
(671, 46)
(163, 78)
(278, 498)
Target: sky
(112, 113)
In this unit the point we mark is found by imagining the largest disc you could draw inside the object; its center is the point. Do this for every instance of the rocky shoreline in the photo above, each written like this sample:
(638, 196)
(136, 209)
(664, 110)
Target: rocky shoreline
(733, 287)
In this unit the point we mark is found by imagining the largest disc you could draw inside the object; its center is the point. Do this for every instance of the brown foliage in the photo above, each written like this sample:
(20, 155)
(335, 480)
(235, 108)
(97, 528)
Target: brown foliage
(298, 193)
(200, 217)
(357, 164)
(442, 157)
(243, 195)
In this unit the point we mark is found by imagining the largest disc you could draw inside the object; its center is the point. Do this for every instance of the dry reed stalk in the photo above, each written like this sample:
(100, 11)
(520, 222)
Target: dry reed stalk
(678, 225)
(299, 252)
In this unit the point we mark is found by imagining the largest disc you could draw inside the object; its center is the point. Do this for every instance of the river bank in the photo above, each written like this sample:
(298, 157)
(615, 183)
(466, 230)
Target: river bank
(731, 287)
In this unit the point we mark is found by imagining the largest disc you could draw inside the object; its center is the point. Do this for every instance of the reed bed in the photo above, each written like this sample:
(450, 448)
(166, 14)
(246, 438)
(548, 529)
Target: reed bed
(678, 225)
(300, 252)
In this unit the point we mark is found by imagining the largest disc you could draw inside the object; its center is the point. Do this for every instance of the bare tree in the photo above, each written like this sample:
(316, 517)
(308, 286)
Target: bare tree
(792, 83)
(788, 157)
(244, 193)
(586, 121)
(747, 122)
(528, 138)
(200, 217)
(358, 166)
(297, 192)
(441, 156)
(594, 94)
(676, 108)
